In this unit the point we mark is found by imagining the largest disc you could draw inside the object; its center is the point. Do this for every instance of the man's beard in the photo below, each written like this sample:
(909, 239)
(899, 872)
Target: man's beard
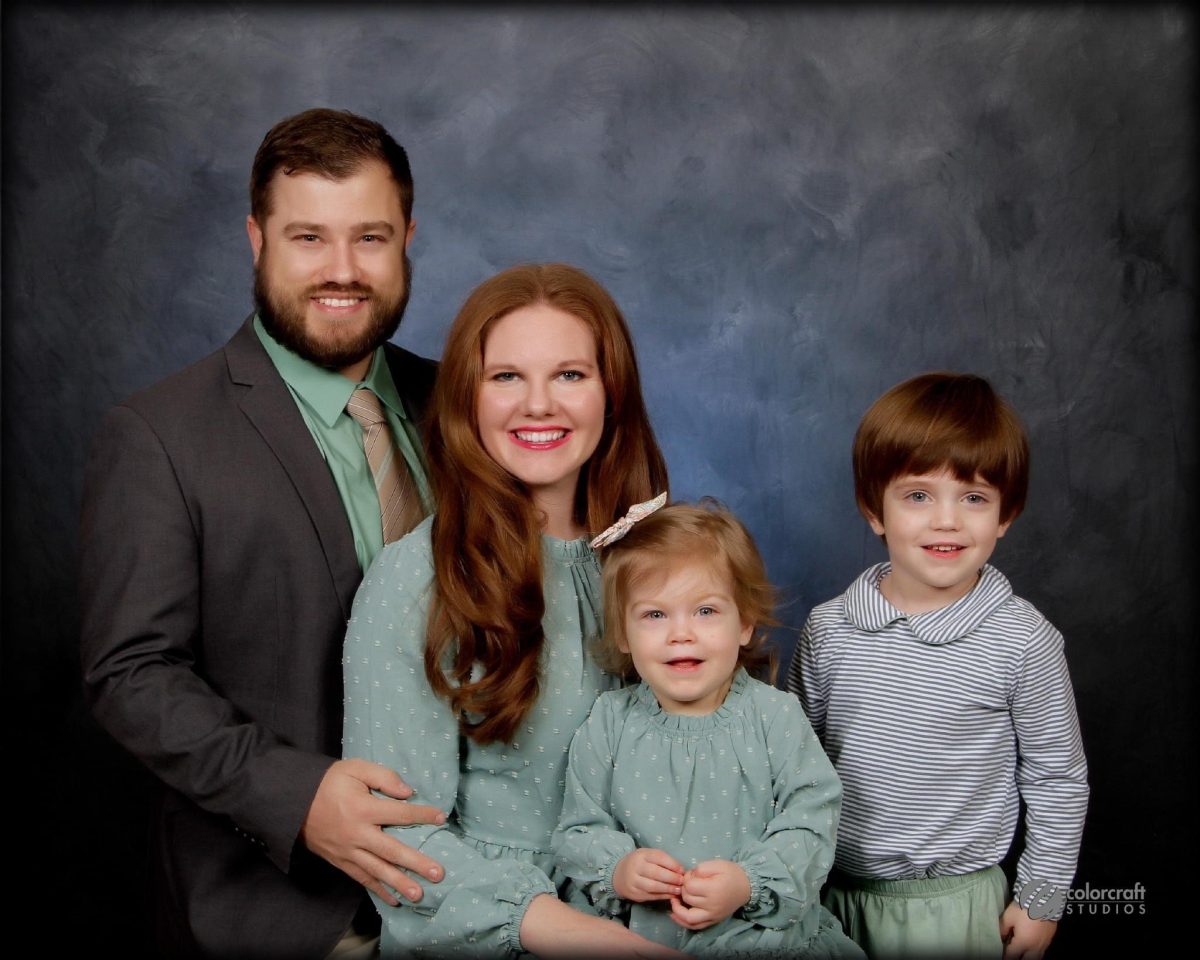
(283, 318)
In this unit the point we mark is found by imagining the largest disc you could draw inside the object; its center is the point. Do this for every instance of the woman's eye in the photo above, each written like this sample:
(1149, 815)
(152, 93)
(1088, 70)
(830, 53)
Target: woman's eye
(571, 375)
(504, 376)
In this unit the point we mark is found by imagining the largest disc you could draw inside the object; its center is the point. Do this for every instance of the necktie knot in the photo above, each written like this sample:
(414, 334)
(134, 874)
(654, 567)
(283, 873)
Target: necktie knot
(365, 407)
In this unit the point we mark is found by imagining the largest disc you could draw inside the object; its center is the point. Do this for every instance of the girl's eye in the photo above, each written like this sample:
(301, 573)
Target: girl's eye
(653, 615)
(707, 611)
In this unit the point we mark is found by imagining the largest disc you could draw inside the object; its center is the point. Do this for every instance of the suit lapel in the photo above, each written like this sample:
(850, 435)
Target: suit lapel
(269, 406)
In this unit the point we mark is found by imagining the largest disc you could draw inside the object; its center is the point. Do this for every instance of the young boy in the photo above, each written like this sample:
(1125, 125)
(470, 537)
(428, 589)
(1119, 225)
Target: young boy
(939, 696)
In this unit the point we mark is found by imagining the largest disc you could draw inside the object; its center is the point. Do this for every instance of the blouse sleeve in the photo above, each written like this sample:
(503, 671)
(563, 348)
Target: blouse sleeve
(392, 717)
(788, 864)
(589, 843)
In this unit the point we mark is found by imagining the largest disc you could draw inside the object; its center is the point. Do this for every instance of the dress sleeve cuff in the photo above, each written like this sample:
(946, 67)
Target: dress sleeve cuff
(520, 893)
(757, 890)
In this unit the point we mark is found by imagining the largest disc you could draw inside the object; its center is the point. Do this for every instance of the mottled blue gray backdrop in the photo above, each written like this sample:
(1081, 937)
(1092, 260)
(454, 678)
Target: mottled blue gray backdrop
(795, 206)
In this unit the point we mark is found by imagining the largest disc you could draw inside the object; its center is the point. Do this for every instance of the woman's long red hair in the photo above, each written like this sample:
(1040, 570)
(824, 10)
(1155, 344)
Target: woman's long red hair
(486, 614)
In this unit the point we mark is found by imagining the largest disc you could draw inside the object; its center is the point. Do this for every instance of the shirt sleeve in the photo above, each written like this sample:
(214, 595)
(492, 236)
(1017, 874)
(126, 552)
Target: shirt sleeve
(589, 843)
(804, 679)
(788, 864)
(1051, 768)
(394, 718)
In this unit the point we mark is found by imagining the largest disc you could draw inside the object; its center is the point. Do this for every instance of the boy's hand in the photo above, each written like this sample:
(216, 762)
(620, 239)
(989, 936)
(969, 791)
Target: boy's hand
(1024, 938)
(712, 891)
(647, 874)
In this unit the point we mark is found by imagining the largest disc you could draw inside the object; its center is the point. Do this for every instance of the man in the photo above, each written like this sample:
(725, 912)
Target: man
(229, 514)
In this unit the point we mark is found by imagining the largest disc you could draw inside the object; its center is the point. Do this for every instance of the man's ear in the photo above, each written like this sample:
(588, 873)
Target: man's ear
(254, 232)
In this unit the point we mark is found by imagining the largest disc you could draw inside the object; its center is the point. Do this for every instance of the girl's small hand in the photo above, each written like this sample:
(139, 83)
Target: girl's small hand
(712, 891)
(647, 874)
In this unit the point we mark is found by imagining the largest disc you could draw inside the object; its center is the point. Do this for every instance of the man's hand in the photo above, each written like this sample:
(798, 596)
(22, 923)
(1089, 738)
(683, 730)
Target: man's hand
(647, 874)
(712, 891)
(1024, 938)
(345, 826)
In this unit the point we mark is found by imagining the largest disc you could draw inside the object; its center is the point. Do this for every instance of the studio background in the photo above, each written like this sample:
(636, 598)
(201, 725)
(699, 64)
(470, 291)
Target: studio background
(795, 206)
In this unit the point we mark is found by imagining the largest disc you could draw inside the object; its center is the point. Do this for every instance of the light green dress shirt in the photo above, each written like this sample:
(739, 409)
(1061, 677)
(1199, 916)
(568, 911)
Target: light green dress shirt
(321, 396)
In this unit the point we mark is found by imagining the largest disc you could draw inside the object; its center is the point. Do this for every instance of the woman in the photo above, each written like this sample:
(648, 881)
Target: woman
(466, 662)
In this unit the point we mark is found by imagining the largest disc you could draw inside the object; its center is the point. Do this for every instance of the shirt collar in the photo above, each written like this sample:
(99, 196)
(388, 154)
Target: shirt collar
(868, 609)
(326, 392)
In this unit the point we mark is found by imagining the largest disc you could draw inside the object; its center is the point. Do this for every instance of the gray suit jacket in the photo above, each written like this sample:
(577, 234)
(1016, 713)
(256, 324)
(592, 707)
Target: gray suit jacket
(218, 572)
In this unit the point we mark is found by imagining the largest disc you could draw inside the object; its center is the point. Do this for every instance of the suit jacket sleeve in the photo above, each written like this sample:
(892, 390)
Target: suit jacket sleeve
(141, 546)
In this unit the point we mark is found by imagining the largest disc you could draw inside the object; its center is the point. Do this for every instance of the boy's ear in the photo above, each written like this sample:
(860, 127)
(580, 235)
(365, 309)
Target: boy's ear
(1003, 528)
(875, 522)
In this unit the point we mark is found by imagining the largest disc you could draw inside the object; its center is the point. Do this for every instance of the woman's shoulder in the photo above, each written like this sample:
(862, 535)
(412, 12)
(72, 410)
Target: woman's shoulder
(414, 549)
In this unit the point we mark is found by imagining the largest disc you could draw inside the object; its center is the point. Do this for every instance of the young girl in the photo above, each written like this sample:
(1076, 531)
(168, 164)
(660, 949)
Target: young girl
(700, 809)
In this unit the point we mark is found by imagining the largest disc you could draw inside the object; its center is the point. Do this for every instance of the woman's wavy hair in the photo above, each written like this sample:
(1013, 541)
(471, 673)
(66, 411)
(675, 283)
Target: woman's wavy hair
(484, 641)
(679, 535)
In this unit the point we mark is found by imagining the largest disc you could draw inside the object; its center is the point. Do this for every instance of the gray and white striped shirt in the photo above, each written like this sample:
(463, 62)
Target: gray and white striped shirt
(935, 723)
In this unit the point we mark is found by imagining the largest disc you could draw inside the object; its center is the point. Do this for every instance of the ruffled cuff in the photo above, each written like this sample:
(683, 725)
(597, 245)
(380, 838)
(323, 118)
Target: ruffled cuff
(520, 893)
(758, 892)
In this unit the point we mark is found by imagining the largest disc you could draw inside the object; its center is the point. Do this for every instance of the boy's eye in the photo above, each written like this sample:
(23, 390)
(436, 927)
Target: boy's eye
(918, 496)
(975, 498)
(707, 611)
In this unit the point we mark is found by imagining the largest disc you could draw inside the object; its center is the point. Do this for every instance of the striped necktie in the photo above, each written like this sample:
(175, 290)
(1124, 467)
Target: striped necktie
(400, 505)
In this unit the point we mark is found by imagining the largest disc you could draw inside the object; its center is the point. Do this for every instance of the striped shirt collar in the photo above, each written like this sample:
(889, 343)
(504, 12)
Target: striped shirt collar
(867, 609)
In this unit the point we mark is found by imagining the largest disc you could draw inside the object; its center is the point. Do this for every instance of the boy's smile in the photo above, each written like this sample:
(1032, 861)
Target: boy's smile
(939, 531)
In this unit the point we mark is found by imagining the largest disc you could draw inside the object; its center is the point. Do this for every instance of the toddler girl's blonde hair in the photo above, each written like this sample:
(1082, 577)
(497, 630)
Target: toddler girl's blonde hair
(680, 534)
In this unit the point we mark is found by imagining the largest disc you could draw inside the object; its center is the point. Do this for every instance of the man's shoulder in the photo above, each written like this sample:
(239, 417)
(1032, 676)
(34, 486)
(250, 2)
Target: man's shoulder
(413, 374)
(198, 384)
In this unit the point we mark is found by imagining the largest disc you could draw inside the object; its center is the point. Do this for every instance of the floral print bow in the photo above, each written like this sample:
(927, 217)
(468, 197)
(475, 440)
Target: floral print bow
(639, 511)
